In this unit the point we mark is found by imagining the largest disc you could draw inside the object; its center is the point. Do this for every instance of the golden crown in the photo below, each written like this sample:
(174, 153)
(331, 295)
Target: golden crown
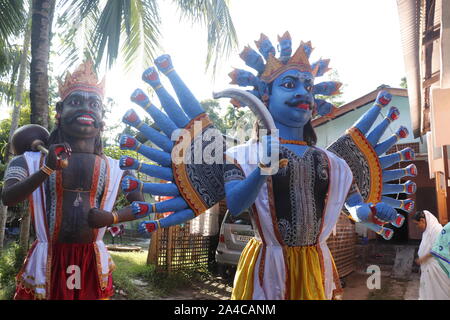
(299, 61)
(83, 78)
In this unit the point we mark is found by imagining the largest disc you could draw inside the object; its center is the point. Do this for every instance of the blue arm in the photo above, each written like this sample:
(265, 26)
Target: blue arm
(240, 194)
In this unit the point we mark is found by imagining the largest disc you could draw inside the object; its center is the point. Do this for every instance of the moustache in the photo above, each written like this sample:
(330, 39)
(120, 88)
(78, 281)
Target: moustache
(296, 101)
(71, 119)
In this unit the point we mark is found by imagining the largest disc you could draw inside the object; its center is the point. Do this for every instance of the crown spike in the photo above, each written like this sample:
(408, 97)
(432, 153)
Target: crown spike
(285, 43)
(321, 66)
(252, 59)
(83, 78)
(264, 46)
(307, 48)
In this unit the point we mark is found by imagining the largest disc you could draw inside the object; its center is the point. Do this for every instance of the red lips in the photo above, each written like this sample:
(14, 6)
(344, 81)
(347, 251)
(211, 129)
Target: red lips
(85, 119)
(303, 106)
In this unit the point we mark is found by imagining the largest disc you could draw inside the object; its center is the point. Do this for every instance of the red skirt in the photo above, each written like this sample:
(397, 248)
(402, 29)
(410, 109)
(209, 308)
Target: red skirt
(74, 275)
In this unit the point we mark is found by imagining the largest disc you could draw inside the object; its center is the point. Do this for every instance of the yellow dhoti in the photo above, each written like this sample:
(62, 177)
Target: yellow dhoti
(304, 279)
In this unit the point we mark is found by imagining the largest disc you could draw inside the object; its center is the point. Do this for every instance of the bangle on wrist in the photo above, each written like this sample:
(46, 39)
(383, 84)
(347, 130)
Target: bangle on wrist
(115, 217)
(46, 170)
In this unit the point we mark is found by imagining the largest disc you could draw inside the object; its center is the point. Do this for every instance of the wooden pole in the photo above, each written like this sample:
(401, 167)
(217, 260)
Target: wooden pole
(169, 254)
(152, 257)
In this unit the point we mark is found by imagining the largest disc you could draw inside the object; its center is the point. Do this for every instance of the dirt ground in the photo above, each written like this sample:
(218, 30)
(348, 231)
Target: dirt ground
(354, 285)
(355, 288)
(390, 289)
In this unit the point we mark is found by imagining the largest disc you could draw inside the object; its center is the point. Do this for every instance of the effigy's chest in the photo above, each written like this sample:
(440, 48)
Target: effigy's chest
(299, 195)
(70, 195)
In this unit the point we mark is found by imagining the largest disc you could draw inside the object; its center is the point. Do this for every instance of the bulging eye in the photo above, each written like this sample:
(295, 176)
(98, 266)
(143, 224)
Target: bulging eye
(308, 85)
(288, 85)
(95, 105)
(75, 102)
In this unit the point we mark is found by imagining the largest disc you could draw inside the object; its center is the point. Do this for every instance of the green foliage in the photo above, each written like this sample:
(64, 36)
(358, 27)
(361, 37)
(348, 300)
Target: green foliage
(11, 261)
(115, 152)
(5, 127)
(212, 108)
(403, 83)
(233, 118)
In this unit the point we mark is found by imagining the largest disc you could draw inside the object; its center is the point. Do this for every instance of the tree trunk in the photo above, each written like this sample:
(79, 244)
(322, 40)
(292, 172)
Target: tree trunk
(41, 25)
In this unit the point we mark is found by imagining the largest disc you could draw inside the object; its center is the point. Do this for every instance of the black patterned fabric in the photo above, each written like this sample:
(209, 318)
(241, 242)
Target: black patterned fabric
(346, 149)
(300, 191)
(207, 179)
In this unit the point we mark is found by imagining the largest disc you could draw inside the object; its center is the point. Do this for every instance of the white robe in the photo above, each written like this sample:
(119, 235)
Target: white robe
(434, 283)
(274, 279)
(35, 272)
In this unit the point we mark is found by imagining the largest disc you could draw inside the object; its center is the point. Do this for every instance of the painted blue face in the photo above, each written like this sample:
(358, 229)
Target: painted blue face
(291, 102)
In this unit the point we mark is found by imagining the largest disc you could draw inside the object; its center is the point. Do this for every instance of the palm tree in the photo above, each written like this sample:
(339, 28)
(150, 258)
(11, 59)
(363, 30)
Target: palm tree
(105, 23)
(11, 24)
(41, 26)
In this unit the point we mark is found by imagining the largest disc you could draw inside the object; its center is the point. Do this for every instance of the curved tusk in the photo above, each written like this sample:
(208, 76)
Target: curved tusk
(248, 99)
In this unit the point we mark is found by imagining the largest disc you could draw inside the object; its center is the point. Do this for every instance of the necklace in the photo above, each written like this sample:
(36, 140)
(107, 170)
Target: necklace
(298, 142)
(78, 200)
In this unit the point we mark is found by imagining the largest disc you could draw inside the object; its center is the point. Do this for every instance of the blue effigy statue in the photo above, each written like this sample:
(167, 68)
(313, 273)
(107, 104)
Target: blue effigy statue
(295, 189)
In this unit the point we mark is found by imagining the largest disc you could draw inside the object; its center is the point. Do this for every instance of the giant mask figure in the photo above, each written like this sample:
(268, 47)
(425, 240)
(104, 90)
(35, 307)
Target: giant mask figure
(68, 260)
(296, 197)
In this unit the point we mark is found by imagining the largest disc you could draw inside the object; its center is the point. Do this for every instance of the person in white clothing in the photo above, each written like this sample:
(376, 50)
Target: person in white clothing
(434, 283)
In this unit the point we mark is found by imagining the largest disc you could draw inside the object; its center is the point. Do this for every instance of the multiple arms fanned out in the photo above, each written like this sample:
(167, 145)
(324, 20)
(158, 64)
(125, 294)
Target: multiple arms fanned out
(196, 183)
(190, 157)
(370, 202)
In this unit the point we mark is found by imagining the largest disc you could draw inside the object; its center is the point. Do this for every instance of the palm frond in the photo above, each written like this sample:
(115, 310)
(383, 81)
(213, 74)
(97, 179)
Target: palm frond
(142, 40)
(12, 17)
(77, 22)
(108, 31)
(9, 75)
(215, 15)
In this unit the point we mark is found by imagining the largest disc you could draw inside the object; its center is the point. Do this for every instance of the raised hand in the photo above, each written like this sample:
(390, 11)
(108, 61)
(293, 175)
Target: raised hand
(58, 155)
(174, 156)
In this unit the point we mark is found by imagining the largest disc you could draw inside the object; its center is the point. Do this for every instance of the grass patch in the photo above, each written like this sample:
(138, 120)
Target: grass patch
(131, 266)
(11, 261)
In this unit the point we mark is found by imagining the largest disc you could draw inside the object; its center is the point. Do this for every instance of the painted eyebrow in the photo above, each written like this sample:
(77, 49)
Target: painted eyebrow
(290, 77)
(83, 96)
